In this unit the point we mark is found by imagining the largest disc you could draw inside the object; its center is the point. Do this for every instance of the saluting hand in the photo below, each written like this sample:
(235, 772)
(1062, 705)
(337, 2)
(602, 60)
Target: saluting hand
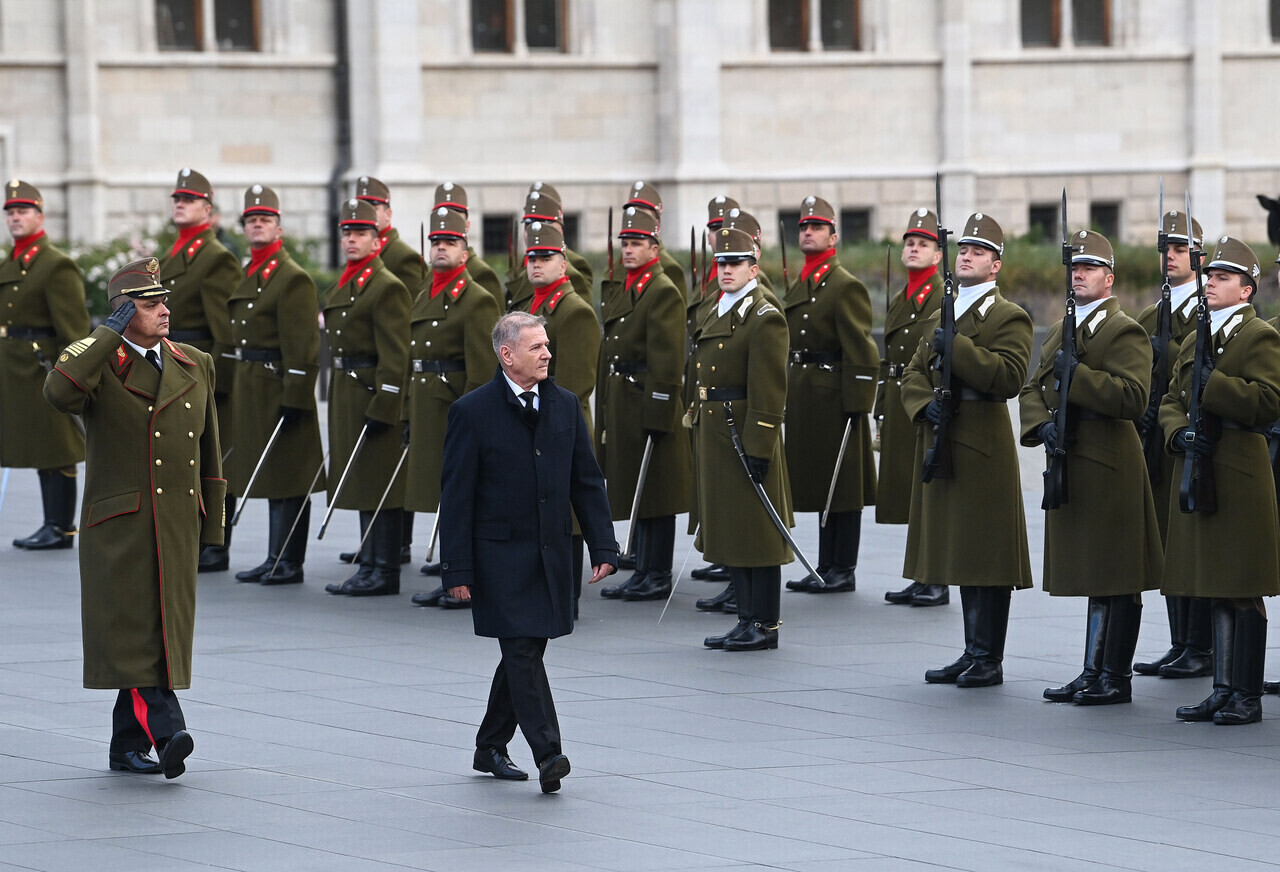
(120, 318)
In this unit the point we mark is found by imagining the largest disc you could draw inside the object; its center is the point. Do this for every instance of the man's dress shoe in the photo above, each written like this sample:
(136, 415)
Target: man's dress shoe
(136, 762)
(175, 752)
(551, 770)
(497, 764)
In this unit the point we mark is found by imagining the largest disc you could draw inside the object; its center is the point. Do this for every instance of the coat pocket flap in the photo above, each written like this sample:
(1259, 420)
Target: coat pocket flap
(110, 507)
(492, 530)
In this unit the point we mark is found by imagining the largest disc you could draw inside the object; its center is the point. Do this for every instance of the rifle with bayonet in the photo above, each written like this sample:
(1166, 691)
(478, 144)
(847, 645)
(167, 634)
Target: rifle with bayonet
(1055, 474)
(782, 239)
(1198, 491)
(1152, 435)
(937, 457)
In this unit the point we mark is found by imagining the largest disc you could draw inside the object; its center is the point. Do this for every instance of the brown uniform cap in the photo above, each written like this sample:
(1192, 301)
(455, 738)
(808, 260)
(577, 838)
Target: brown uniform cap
(447, 223)
(260, 200)
(983, 230)
(20, 193)
(638, 224)
(744, 221)
(541, 206)
(543, 237)
(645, 194)
(138, 279)
(452, 195)
(546, 189)
(1234, 256)
(1174, 224)
(718, 208)
(817, 209)
(192, 184)
(357, 213)
(923, 222)
(369, 188)
(730, 245)
(1090, 247)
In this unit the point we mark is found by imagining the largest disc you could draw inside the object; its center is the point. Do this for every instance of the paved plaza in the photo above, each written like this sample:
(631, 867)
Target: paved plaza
(336, 734)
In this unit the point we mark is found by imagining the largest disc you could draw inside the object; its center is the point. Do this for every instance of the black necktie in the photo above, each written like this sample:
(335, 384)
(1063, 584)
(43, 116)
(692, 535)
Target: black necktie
(153, 358)
(530, 411)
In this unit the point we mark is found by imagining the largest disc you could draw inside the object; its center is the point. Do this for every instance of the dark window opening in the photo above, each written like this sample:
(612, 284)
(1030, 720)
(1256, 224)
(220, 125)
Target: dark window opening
(1275, 20)
(1105, 218)
(1040, 23)
(236, 25)
(177, 25)
(491, 25)
(544, 25)
(1042, 221)
(791, 228)
(1091, 22)
(495, 235)
(789, 25)
(572, 221)
(855, 226)
(840, 30)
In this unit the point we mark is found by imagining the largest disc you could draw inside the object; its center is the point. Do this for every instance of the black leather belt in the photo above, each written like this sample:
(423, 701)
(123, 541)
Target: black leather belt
(895, 370)
(816, 357)
(439, 365)
(969, 395)
(354, 362)
(617, 368)
(720, 395)
(255, 354)
(1235, 425)
(26, 333)
(189, 335)
(1090, 415)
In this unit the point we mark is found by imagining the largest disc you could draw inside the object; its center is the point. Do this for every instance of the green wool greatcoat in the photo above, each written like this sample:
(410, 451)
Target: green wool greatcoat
(519, 290)
(368, 317)
(743, 350)
(153, 493)
(1105, 541)
(1235, 551)
(574, 335)
(829, 315)
(456, 325)
(674, 271)
(971, 529)
(483, 275)
(41, 291)
(638, 386)
(274, 310)
(405, 264)
(902, 327)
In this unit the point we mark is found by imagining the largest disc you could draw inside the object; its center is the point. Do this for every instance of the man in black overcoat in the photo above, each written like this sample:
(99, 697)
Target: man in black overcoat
(517, 459)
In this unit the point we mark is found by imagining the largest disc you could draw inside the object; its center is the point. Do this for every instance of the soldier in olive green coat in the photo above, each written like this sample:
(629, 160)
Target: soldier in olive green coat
(831, 387)
(543, 208)
(1231, 554)
(453, 196)
(366, 319)
(949, 537)
(645, 196)
(276, 344)
(41, 311)
(1103, 542)
(200, 275)
(153, 492)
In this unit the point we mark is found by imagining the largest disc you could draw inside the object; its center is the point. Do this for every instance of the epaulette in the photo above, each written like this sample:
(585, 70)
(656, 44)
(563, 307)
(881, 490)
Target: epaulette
(766, 308)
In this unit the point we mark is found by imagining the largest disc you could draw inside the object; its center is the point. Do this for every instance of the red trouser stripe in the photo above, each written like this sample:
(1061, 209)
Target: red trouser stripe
(140, 712)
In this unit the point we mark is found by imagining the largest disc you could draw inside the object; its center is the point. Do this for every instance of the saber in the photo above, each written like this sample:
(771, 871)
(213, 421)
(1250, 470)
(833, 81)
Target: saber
(831, 491)
(298, 517)
(435, 532)
(676, 581)
(355, 452)
(635, 503)
(275, 434)
(764, 497)
(395, 472)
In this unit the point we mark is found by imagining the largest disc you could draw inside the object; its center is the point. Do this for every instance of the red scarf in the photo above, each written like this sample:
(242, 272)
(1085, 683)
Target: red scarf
(439, 279)
(185, 235)
(382, 237)
(353, 268)
(918, 286)
(540, 295)
(812, 261)
(634, 274)
(259, 256)
(21, 245)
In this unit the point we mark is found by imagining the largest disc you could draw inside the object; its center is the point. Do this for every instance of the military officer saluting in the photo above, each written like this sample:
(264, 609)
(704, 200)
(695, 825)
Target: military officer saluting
(1104, 542)
(451, 354)
(831, 388)
(897, 435)
(950, 536)
(200, 275)
(366, 320)
(1231, 555)
(645, 197)
(276, 346)
(453, 196)
(43, 312)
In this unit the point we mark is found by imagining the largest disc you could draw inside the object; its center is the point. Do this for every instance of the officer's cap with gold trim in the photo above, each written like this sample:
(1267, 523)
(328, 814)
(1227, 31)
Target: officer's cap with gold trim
(191, 184)
(370, 189)
(138, 279)
(982, 229)
(1234, 256)
(447, 223)
(744, 221)
(452, 195)
(543, 237)
(817, 210)
(546, 188)
(923, 222)
(541, 206)
(638, 223)
(644, 194)
(260, 200)
(730, 246)
(718, 208)
(20, 193)
(357, 215)
(1088, 246)
(1174, 224)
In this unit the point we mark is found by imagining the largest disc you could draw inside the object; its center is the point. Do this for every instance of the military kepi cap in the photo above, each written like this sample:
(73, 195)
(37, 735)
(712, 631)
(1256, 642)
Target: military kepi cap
(745, 222)
(638, 224)
(1088, 246)
(732, 245)
(138, 279)
(543, 237)
(20, 193)
(369, 188)
(357, 214)
(452, 196)
(1234, 256)
(645, 194)
(816, 209)
(260, 200)
(983, 230)
(1174, 224)
(541, 206)
(718, 208)
(547, 189)
(923, 222)
(191, 184)
(447, 223)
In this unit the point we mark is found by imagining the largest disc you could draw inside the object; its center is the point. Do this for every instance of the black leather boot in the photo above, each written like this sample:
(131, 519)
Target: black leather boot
(1095, 635)
(710, 572)
(1176, 606)
(658, 548)
(217, 558)
(1115, 684)
(903, 597)
(844, 532)
(406, 537)
(1223, 619)
(388, 530)
(969, 612)
(765, 586)
(1196, 658)
(988, 639)
(1244, 706)
(931, 595)
(253, 576)
(366, 560)
(806, 583)
(722, 602)
(58, 499)
(740, 581)
(293, 553)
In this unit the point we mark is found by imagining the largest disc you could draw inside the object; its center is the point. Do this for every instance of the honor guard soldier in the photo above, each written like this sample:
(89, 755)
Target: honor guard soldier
(949, 536)
(541, 207)
(153, 492)
(43, 312)
(645, 197)
(1103, 543)
(276, 347)
(453, 196)
(638, 402)
(742, 361)
(366, 320)
(903, 323)
(200, 275)
(451, 354)
(1190, 635)
(831, 389)
(1231, 554)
